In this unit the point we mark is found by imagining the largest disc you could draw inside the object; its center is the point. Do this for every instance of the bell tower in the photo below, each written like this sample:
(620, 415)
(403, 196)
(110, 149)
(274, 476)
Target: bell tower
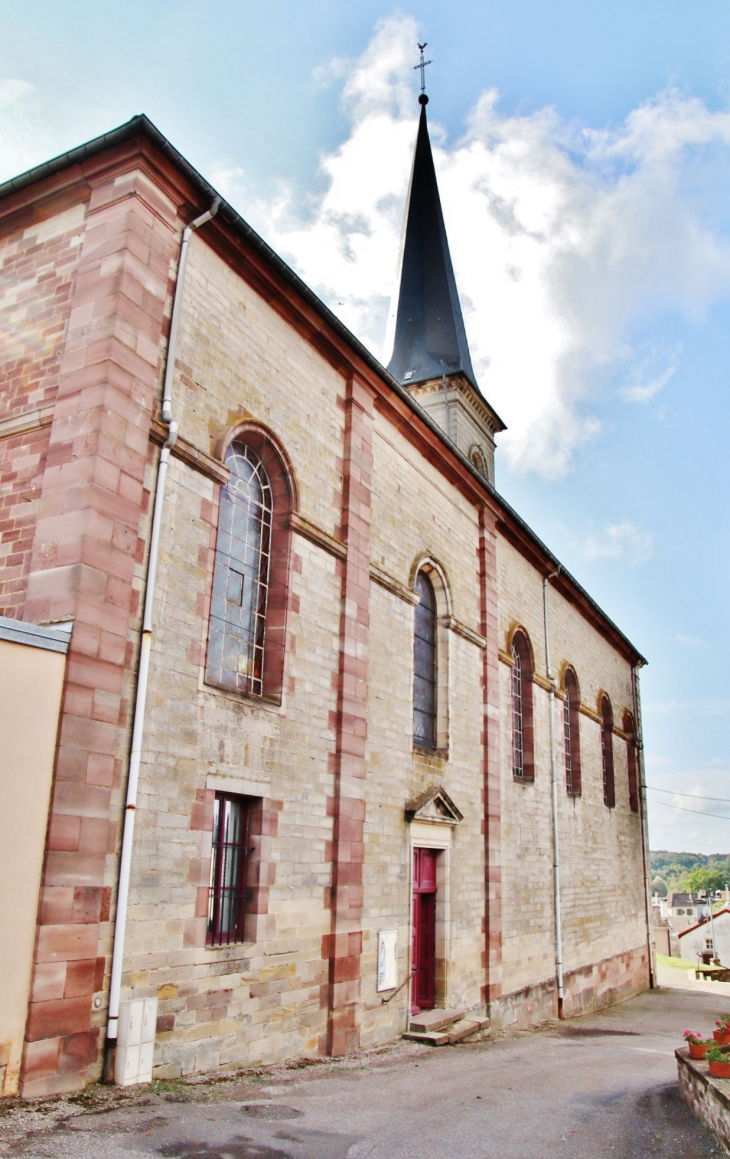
(430, 351)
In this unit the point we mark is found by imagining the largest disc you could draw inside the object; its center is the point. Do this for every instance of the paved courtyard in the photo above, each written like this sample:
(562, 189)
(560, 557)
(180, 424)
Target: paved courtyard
(604, 1085)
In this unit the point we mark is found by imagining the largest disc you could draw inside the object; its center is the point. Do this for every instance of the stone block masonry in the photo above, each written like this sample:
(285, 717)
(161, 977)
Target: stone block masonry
(344, 943)
(111, 292)
(707, 1098)
(38, 266)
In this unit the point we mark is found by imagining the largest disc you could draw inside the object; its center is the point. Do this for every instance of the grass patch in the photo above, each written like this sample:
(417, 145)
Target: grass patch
(680, 963)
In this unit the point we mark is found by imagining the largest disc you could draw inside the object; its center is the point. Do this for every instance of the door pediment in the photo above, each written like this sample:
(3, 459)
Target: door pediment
(435, 806)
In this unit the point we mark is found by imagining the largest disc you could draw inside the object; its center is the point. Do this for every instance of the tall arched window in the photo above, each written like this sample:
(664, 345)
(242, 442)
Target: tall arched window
(571, 727)
(237, 633)
(631, 762)
(609, 787)
(424, 665)
(523, 760)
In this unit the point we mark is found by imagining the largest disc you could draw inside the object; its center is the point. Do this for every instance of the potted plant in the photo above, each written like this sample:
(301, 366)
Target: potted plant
(722, 1034)
(719, 1063)
(696, 1044)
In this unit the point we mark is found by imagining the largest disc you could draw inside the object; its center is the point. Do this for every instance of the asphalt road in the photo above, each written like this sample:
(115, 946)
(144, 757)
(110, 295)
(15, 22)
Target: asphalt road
(600, 1086)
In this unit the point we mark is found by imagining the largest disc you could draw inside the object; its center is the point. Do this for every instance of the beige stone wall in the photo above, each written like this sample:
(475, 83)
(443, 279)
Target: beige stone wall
(261, 1002)
(266, 1000)
(31, 682)
(417, 515)
(603, 905)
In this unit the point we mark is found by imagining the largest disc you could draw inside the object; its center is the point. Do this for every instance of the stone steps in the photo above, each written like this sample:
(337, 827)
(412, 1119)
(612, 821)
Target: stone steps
(443, 1027)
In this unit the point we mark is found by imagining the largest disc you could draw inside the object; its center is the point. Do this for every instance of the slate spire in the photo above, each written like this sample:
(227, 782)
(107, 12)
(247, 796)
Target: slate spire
(430, 339)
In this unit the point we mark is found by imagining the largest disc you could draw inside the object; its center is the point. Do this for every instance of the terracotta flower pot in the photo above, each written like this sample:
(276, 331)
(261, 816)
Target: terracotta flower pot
(720, 1070)
(697, 1049)
(722, 1038)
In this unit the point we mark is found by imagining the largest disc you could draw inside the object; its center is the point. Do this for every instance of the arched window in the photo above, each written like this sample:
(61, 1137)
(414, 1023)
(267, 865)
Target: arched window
(237, 634)
(609, 788)
(424, 665)
(523, 760)
(631, 762)
(247, 626)
(571, 725)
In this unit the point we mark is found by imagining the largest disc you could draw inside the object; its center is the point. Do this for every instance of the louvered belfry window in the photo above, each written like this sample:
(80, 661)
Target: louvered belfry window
(609, 788)
(424, 665)
(226, 898)
(237, 632)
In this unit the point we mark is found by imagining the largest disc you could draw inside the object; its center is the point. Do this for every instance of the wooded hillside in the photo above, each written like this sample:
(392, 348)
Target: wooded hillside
(690, 872)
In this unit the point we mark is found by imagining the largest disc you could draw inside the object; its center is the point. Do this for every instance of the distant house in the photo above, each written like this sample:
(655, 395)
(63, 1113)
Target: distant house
(696, 942)
(682, 910)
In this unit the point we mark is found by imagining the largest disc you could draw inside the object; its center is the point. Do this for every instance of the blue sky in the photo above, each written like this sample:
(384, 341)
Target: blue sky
(583, 152)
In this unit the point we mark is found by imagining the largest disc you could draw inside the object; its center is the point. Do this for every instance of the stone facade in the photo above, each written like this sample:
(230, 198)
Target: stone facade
(374, 493)
(707, 1097)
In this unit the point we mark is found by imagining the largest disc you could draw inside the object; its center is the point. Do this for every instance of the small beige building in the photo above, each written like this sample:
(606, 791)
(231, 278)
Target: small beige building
(32, 670)
(331, 712)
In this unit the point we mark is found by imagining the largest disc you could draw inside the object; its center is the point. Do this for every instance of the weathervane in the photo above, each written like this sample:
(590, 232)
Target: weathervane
(423, 99)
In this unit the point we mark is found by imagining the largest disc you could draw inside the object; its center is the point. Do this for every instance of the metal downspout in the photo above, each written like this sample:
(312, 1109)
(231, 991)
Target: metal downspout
(554, 789)
(125, 861)
(639, 737)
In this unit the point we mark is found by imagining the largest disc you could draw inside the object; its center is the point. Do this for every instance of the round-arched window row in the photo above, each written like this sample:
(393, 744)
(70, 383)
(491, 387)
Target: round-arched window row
(521, 712)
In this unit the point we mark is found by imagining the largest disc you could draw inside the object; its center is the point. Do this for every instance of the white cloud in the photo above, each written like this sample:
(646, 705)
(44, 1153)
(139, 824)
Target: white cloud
(648, 374)
(692, 641)
(619, 540)
(24, 137)
(228, 180)
(566, 241)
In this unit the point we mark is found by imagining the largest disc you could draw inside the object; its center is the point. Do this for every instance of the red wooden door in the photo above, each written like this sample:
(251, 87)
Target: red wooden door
(423, 991)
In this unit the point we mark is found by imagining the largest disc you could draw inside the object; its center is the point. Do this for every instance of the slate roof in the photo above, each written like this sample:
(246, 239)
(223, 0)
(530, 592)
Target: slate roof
(430, 339)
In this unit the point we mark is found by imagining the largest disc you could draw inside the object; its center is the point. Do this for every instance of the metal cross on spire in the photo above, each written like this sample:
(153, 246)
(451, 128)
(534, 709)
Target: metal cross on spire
(422, 65)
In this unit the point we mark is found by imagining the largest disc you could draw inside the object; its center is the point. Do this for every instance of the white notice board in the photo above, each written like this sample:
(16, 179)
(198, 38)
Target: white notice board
(387, 959)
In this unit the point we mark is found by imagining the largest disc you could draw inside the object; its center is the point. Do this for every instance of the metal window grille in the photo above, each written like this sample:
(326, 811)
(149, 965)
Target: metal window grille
(237, 633)
(571, 720)
(424, 665)
(518, 714)
(227, 895)
(568, 744)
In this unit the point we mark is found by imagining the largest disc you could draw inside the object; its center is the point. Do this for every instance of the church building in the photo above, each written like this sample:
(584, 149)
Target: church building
(310, 741)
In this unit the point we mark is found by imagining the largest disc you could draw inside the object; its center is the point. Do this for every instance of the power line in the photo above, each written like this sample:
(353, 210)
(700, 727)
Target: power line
(684, 809)
(693, 796)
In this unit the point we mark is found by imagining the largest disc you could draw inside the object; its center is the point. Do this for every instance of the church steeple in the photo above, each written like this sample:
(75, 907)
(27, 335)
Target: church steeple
(430, 339)
(430, 351)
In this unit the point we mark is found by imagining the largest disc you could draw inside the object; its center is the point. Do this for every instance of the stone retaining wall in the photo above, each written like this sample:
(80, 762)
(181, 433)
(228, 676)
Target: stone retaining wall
(707, 1098)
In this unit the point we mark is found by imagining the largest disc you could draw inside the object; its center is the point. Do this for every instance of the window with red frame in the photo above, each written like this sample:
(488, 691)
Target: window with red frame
(609, 786)
(227, 896)
(631, 763)
(571, 729)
